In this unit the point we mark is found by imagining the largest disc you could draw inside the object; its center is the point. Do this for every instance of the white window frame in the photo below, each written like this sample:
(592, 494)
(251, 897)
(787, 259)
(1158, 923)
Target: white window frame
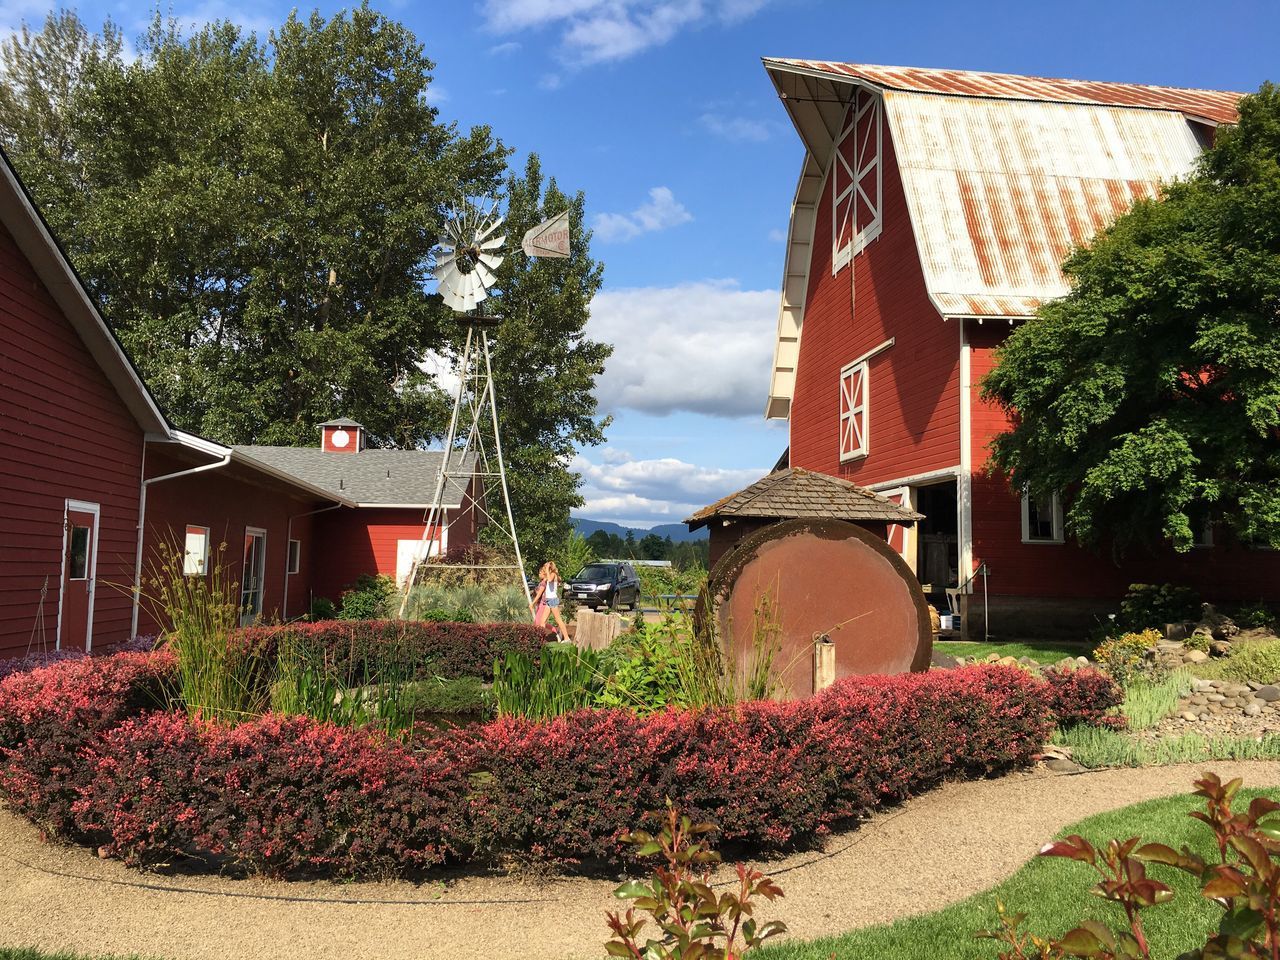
(247, 618)
(1203, 538)
(203, 562)
(293, 557)
(1058, 528)
(863, 101)
(853, 415)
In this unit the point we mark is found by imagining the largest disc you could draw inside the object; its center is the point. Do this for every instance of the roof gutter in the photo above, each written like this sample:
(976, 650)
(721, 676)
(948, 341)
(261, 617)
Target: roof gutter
(142, 519)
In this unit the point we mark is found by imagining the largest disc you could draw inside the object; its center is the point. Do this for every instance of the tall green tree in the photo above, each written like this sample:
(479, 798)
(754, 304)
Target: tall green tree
(256, 217)
(544, 366)
(1150, 395)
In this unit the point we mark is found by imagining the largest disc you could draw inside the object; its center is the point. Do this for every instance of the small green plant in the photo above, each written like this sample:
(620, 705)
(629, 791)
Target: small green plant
(438, 695)
(1147, 702)
(638, 622)
(1148, 606)
(692, 921)
(1254, 615)
(322, 608)
(369, 598)
(645, 672)
(562, 679)
(1096, 747)
(1244, 882)
(1197, 641)
(468, 603)
(1125, 656)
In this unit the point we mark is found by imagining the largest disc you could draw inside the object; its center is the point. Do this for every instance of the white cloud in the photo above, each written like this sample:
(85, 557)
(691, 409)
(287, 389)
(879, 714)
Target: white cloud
(740, 129)
(701, 347)
(549, 81)
(595, 31)
(503, 49)
(778, 235)
(436, 94)
(247, 17)
(644, 492)
(662, 212)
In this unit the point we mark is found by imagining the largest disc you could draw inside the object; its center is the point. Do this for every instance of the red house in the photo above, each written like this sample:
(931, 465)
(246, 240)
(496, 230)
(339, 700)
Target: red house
(932, 214)
(94, 479)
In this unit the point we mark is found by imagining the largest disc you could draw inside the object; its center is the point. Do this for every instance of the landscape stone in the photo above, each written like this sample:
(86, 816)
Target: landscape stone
(1253, 709)
(1195, 656)
(1269, 693)
(1188, 716)
(1062, 765)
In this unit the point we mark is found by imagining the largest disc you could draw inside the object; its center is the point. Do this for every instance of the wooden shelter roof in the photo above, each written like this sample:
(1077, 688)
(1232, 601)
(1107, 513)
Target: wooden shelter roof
(796, 493)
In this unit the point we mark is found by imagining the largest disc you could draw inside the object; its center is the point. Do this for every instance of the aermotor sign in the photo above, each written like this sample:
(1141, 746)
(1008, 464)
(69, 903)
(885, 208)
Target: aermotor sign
(549, 238)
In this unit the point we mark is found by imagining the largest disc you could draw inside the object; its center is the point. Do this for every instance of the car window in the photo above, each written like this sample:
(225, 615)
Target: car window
(597, 571)
(630, 573)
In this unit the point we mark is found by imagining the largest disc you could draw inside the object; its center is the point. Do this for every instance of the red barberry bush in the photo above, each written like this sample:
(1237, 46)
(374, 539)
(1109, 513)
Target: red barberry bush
(1084, 696)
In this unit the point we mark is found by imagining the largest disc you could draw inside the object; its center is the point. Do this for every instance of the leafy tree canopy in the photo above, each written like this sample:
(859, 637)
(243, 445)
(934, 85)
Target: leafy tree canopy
(257, 219)
(1150, 394)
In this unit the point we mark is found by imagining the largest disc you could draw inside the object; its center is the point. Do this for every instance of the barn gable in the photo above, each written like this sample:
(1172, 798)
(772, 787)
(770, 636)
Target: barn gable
(1002, 174)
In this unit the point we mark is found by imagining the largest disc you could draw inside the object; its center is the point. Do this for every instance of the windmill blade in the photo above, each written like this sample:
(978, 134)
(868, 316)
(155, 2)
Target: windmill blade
(493, 244)
(445, 260)
(490, 261)
(484, 234)
(447, 274)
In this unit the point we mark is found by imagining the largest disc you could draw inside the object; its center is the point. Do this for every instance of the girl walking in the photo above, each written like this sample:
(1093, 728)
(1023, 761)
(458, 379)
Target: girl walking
(547, 598)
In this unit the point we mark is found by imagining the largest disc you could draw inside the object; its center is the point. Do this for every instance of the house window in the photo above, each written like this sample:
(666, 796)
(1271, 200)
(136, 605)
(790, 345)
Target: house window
(195, 553)
(856, 179)
(853, 411)
(295, 555)
(1202, 534)
(1042, 518)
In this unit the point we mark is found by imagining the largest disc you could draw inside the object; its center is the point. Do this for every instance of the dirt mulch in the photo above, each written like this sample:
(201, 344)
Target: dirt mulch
(931, 852)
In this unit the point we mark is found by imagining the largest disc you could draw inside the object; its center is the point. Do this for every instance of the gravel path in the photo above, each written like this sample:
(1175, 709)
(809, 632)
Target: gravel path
(933, 851)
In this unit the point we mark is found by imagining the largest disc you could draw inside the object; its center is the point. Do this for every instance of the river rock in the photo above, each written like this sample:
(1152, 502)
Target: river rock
(1195, 656)
(1269, 693)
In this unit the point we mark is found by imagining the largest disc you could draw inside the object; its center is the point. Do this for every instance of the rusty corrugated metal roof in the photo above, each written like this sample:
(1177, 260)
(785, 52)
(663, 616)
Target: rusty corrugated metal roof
(1218, 106)
(1001, 191)
(795, 493)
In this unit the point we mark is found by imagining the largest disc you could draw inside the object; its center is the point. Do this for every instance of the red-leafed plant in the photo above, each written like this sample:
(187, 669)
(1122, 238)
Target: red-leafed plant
(1084, 696)
(1245, 882)
(693, 921)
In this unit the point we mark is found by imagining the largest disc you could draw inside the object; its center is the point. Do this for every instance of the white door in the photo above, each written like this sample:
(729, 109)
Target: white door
(251, 575)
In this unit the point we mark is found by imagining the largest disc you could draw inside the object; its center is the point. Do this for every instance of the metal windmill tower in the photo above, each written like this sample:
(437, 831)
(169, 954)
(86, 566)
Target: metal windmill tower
(472, 458)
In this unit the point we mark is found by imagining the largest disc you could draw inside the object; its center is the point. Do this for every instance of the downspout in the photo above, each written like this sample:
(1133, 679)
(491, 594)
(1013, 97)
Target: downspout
(288, 538)
(142, 520)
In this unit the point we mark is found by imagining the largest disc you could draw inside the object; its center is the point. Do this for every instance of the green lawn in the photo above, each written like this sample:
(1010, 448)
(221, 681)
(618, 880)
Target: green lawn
(1041, 651)
(1054, 892)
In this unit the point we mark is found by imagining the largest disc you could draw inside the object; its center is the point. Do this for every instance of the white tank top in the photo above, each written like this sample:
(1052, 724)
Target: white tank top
(550, 593)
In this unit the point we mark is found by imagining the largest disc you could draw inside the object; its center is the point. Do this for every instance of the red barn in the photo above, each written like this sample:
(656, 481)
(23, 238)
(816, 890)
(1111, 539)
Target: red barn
(73, 418)
(933, 211)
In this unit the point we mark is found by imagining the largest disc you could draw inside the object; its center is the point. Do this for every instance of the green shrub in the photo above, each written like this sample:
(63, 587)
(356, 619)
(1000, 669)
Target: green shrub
(369, 598)
(1197, 641)
(468, 603)
(322, 608)
(441, 696)
(1258, 661)
(645, 670)
(1254, 615)
(1149, 605)
(1124, 657)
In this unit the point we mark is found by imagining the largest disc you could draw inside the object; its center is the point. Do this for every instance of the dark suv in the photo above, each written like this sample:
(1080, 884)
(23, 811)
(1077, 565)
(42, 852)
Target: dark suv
(612, 585)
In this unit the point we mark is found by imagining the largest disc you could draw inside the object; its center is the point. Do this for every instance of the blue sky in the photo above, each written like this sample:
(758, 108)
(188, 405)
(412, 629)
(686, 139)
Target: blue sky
(661, 112)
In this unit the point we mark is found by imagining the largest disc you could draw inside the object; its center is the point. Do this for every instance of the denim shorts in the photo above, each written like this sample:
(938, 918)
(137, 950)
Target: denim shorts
(552, 603)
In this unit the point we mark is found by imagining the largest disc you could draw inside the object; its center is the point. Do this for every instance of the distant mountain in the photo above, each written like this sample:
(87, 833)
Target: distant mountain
(678, 532)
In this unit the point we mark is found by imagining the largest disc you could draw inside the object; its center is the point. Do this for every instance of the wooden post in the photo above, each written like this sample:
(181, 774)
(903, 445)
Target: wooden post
(824, 663)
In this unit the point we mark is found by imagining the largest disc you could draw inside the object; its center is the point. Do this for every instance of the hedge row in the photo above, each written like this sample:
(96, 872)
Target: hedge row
(426, 649)
(84, 754)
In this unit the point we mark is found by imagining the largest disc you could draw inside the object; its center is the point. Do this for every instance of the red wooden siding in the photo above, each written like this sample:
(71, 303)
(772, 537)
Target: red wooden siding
(1223, 572)
(64, 434)
(227, 500)
(914, 416)
(357, 542)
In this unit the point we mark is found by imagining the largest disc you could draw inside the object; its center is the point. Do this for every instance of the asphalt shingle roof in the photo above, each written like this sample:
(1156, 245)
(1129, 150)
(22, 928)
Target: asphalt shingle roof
(794, 493)
(369, 477)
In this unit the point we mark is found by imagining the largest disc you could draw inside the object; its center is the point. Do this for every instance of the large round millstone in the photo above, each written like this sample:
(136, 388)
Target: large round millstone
(822, 578)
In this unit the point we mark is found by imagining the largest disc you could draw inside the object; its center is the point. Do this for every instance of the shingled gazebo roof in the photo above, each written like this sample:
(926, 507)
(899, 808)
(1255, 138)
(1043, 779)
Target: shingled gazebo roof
(796, 493)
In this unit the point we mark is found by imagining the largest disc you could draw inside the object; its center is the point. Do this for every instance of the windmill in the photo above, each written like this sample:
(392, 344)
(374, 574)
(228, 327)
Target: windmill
(472, 460)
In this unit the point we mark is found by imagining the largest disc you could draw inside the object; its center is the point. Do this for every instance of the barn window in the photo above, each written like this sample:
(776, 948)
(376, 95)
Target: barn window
(1202, 533)
(1042, 518)
(853, 411)
(856, 179)
(295, 556)
(195, 554)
